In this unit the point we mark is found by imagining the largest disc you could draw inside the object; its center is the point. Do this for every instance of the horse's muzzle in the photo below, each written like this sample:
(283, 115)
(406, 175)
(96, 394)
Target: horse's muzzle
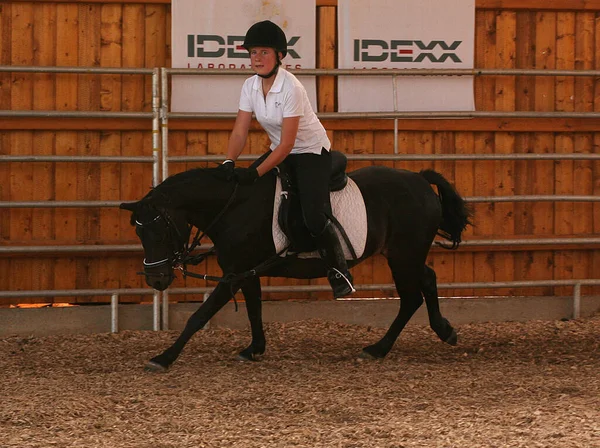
(159, 280)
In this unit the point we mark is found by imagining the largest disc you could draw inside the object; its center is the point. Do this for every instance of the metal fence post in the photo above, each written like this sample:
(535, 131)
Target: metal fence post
(114, 313)
(577, 301)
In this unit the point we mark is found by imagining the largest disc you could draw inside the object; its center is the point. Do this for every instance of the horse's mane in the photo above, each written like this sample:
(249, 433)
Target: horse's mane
(185, 186)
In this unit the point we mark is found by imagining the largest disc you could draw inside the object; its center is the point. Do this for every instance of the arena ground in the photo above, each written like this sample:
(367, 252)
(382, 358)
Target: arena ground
(527, 384)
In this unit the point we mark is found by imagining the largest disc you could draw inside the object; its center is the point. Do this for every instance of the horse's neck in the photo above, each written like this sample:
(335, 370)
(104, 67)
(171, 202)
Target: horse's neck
(206, 211)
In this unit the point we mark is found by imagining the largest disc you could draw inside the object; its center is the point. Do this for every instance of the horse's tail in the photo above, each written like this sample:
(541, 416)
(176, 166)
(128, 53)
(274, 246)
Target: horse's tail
(456, 213)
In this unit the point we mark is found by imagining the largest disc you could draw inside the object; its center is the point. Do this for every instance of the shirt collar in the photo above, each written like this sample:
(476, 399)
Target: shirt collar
(277, 84)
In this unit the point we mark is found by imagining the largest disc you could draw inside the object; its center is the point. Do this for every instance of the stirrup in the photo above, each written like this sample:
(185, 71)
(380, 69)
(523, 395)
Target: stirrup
(341, 283)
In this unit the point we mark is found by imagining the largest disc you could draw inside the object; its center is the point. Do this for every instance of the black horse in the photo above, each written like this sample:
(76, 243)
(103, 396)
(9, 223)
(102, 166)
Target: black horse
(404, 215)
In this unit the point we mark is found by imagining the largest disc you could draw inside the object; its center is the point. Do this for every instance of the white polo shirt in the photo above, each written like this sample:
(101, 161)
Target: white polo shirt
(287, 98)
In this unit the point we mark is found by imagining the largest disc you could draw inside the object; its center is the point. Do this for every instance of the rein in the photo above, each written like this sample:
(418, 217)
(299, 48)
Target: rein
(187, 257)
(232, 277)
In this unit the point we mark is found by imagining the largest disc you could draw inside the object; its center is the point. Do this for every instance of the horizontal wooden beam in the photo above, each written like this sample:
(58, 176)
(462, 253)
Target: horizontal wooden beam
(545, 5)
(465, 125)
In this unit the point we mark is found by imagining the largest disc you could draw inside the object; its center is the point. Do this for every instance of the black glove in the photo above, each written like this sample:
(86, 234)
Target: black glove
(246, 176)
(227, 169)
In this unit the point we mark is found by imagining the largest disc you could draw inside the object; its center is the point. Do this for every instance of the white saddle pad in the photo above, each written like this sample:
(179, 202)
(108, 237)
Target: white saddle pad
(348, 207)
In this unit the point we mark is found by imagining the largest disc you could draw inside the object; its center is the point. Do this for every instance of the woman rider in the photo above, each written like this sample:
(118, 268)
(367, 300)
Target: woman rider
(298, 140)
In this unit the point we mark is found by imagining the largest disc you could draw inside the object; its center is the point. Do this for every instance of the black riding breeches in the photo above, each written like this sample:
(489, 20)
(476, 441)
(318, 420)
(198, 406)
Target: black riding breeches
(311, 173)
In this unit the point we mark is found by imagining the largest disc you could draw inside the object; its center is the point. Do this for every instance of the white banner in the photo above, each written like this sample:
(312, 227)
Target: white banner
(384, 34)
(209, 34)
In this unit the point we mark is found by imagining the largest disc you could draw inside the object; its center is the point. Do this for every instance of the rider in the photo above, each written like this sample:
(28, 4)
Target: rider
(298, 139)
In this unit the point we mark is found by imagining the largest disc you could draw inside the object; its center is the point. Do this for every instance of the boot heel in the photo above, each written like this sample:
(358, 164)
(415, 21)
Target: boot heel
(341, 283)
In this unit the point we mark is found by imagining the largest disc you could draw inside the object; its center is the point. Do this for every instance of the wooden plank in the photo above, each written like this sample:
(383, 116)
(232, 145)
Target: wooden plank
(109, 223)
(67, 49)
(88, 143)
(443, 262)
(44, 54)
(484, 212)
(583, 265)
(326, 41)
(109, 219)
(524, 179)
(133, 56)
(88, 189)
(22, 54)
(545, 44)
(43, 219)
(596, 206)
(5, 55)
(584, 60)
(111, 46)
(67, 87)
(583, 219)
(21, 220)
(155, 45)
(506, 33)
(5, 236)
(21, 143)
(135, 183)
(596, 149)
(565, 54)
(524, 185)
(479, 4)
(485, 57)
(525, 59)
(485, 44)
(88, 55)
(565, 93)
(65, 218)
(133, 91)
(464, 175)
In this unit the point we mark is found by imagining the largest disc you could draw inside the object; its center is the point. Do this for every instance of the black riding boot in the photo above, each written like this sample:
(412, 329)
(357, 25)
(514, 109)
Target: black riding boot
(332, 253)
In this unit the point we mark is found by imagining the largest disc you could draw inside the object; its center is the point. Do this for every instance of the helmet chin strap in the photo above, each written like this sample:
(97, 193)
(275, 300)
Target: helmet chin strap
(272, 72)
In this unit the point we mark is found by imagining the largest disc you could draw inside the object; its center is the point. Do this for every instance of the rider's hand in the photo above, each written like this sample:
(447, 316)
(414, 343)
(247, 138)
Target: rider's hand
(227, 168)
(246, 176)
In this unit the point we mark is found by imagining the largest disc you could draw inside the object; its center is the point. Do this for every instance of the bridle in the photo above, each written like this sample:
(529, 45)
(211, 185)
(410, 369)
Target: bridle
(182, 251)
(180, 247)
(175, 240)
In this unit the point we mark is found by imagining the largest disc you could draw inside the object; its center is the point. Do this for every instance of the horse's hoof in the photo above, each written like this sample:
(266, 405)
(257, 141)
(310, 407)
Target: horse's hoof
(452, 339)
(248, 357)
(155, 367)
(366, 356)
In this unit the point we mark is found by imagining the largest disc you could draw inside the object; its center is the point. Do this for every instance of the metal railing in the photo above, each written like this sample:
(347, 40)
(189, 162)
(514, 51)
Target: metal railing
(160, 312)
(160, 117)
(154, 116)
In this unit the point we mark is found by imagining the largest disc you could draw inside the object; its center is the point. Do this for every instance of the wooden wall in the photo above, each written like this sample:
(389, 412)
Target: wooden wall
(509, 34)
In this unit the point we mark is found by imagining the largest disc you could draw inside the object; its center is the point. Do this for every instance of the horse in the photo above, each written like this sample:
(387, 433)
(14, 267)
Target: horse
(403, 213)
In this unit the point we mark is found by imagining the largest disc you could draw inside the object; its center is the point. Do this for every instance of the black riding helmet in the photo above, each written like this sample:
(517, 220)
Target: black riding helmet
(266, 34)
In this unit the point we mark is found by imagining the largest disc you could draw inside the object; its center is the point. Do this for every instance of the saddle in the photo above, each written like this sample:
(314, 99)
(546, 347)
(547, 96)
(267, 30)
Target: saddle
(290, 213)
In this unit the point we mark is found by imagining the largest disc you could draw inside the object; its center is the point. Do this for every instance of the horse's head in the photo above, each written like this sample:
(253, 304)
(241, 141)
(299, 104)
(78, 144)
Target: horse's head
(164, 234)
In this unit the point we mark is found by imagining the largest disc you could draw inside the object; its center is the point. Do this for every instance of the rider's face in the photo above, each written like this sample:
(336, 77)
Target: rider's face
(263, 60)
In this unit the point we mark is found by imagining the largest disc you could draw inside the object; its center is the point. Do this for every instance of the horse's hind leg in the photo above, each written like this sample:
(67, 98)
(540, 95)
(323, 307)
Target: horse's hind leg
(410, 300)
(252, 292)
(438, 323)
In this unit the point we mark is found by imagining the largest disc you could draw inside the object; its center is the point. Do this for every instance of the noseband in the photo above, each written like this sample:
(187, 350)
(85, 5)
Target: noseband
(181, 248)
(174, 237)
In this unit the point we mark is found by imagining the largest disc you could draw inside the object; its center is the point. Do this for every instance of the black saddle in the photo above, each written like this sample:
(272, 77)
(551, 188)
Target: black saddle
(290, 213)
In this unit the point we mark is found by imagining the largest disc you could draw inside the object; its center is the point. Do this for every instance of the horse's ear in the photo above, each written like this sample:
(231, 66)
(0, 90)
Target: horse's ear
(131, 206)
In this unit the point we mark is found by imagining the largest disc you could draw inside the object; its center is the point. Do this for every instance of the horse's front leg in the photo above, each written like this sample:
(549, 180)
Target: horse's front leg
(217, 299)
(252, 292)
